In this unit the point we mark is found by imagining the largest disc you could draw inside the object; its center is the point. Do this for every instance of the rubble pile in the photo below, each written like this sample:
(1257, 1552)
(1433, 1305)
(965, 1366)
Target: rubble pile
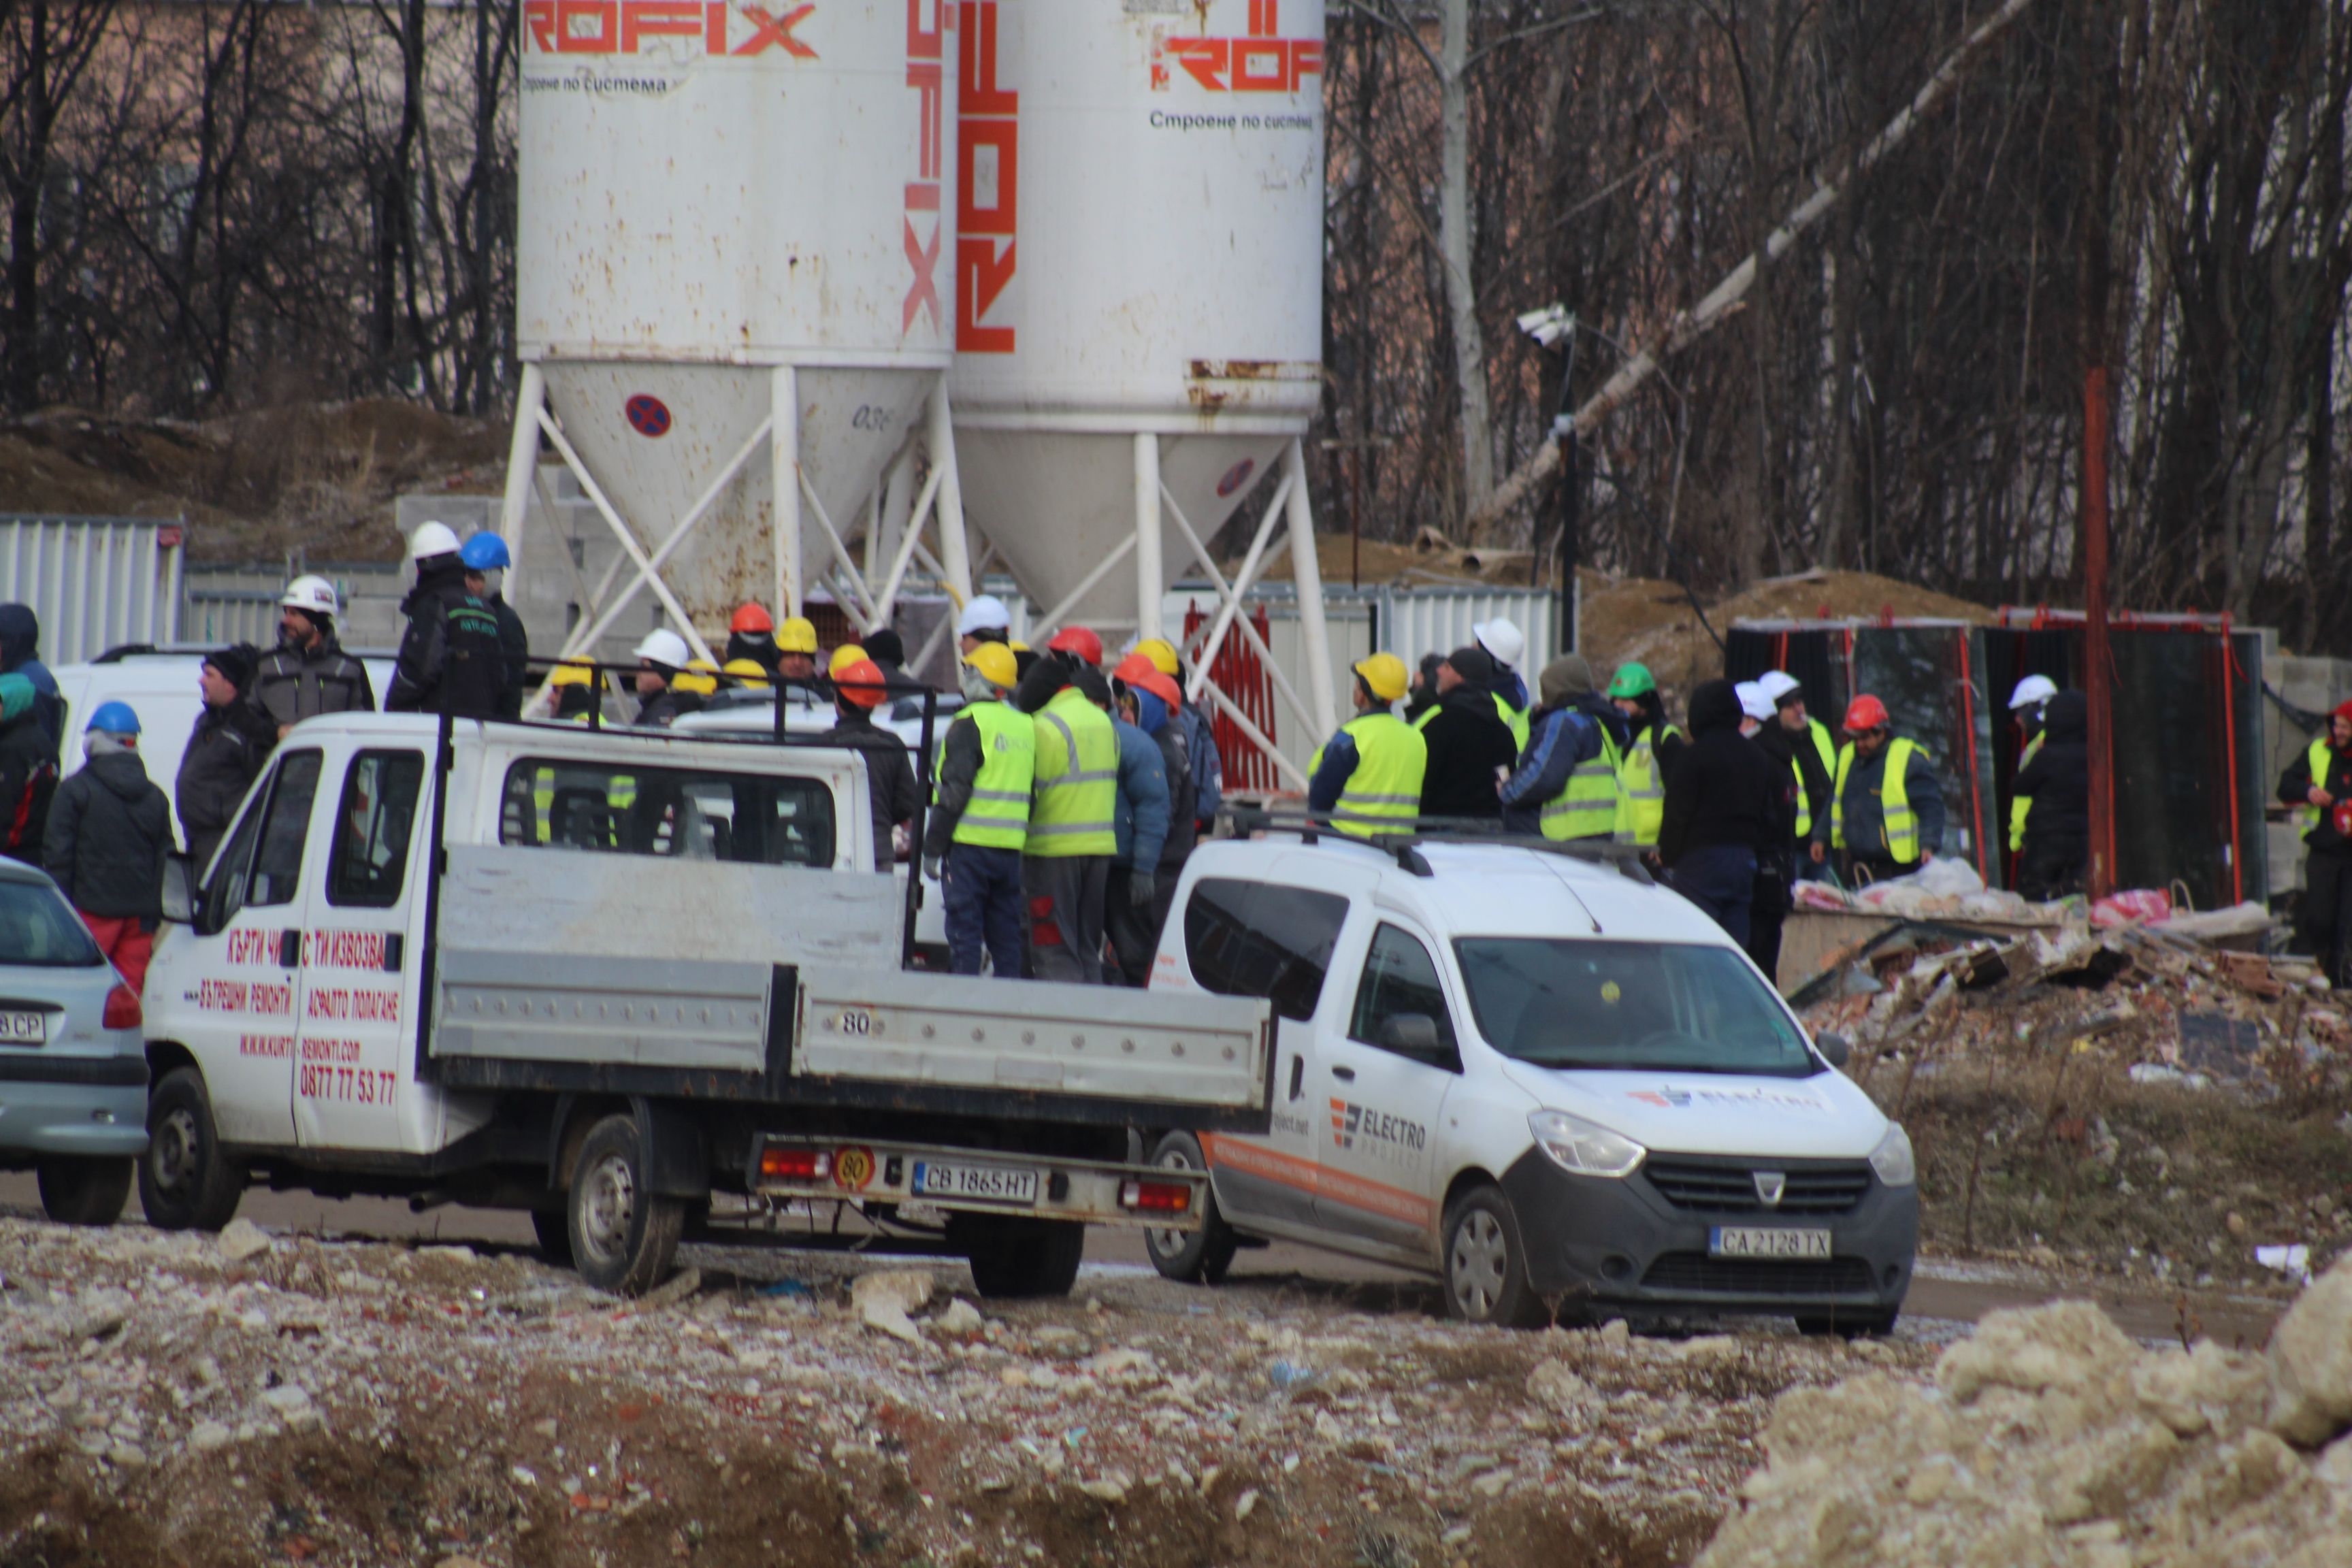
(2050, 1438)
(263, 1398)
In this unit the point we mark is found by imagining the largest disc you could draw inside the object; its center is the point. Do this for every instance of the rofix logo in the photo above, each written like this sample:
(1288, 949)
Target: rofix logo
(622, 26)
(1263, 61)
(1350, 1121)
(988, 185)
(926, 52)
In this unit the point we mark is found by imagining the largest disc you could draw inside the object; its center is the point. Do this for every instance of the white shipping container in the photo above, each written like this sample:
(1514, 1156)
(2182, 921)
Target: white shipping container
(96, 583)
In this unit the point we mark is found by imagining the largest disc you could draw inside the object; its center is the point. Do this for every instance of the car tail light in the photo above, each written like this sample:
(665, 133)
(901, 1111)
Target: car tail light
(795, 1164)
(1164, 1197)
(122, 1010)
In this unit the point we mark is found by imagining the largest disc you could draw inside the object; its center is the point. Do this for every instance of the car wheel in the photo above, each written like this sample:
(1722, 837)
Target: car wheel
(1012, 1257)
(185, 1182)
(1485, 1265)
(554, 1228)
(1204, 1254)
(1854, 1325)
(82, 1191)
(623, 1237)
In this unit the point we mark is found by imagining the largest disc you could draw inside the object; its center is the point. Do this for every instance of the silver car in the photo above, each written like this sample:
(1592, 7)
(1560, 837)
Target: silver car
(73, 1065)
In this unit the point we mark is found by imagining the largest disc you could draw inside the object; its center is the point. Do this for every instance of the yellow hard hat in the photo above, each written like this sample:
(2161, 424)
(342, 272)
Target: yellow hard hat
(574, 671)
(1160, 652)
(1385, 673)
(699, 677)
(750, 671)
(1017, 646)
(996, 664)
(847, 654)
(797, 634)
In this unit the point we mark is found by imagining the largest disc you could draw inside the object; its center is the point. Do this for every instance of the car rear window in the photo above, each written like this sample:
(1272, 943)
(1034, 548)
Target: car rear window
(38, 930)
(1262, 939)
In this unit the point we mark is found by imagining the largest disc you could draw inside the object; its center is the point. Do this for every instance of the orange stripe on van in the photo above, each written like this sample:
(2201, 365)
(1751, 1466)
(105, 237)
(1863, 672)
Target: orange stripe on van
(1308, 1176)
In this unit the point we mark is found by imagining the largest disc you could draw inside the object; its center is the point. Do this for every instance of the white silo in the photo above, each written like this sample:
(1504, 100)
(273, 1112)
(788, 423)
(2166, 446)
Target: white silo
(1138, 277)
(735, 292)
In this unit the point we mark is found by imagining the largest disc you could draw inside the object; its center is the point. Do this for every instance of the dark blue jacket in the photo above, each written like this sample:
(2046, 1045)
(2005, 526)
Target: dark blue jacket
(20, 636)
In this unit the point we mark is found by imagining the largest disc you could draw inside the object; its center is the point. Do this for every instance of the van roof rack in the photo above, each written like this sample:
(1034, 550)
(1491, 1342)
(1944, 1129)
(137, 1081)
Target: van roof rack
(1314, 827)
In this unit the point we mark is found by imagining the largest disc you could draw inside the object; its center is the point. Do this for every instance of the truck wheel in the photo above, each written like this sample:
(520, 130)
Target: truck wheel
(1016, 1256)
(85, 1191)
(1204, 1254)
(554, 1228)
(184, 1183)
(1486, 1265)
(623, 1237)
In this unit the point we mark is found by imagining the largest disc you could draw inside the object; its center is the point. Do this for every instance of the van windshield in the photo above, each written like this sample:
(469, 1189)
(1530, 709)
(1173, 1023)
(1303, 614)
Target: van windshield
(1625, 1005)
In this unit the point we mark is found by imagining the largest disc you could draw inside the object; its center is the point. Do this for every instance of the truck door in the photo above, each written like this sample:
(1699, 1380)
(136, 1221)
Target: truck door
(357, 1030)
(1389, 1060)
(240, 971)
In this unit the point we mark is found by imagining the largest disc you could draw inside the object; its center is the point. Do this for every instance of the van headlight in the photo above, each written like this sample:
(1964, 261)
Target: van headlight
(1584, 1148)
(1892, 1159)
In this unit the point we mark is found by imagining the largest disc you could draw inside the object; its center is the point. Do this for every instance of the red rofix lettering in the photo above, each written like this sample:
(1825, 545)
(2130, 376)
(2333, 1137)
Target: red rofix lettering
(622, 26)
(1262, 62)
(987, 119)
(776, 32)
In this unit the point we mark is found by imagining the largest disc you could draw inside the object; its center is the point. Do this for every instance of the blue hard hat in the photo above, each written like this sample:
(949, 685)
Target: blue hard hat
(115, 719)
(484, 551)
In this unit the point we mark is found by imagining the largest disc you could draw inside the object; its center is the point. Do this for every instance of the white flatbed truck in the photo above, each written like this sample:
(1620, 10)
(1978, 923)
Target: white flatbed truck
(607, 976)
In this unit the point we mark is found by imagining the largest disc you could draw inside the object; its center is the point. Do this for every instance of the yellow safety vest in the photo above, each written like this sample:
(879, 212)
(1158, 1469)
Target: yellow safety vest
(1383, 794)
(1642, 806)
(998, 815)
(1076, 788)
(1588, 807)
(2023, 806)
(2307, 815)
(1517, 717)
(1819, 734)
(1893, 801)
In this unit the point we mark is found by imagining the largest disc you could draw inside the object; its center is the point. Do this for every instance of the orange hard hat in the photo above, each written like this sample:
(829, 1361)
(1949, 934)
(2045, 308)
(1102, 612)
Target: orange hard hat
(1138, 671)
(861, 681)
(1079, 641)
(1866, 713)
(751, 618)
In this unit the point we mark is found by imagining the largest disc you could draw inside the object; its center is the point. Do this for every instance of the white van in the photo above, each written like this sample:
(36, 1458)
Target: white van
(1538, 1075)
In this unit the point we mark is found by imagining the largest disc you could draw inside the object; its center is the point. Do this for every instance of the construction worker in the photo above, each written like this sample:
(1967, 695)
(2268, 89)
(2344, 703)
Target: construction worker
(1803, 744)
(1131, 888)
(984, 619)
(1777, 855)
(1886, 806)
(1471, 751)
(1201, 756)
(2318, 784)
(225, 750)
(109, 828)
(1721, 811)
(659, 658)
(308, 673)
(20, 644)
(747, 672)
(29, 771)
(858, 689)
(484, 553)
(797, 650)
(695, 685)
(2029, 706)
(1648, 756)
(2053, 789)
(980, 821)
(1065, 859)
(1505, 646)
(1151, 701)
(751, 635)
(451, 658)
(1566, 785)
(578, 687)
(1367, 777)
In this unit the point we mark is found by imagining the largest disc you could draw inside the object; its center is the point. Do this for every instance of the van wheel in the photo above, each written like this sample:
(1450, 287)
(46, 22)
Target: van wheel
(82, 1191)
(1013, 1256)
(1486, 1264)
(554, 1228)
(185, 1182)
(623, 1237)
(1204, 1254)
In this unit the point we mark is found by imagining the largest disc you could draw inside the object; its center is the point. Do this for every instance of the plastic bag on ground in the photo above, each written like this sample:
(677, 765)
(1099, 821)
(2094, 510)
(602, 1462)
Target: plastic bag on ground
(2136, 904)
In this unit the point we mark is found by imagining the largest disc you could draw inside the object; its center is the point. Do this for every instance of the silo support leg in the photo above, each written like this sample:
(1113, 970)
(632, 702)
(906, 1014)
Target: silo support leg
(523, 467)
(785, 471)
(1232, 595)
(1250, 562)
(1151, 558)
(955, 549)
(1307, 576)
(636, 552)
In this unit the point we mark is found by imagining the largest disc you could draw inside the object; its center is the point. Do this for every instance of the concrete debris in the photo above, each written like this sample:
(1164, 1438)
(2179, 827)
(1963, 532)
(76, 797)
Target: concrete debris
(2311, 1363)
(887, 1300)
(242, 1239)
(960, 1318)
(1553, 1385)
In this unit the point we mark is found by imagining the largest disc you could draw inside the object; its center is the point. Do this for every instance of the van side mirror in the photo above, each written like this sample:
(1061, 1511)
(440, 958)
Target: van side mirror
(179, 890)
(1835, 1048)
(1408, 1034)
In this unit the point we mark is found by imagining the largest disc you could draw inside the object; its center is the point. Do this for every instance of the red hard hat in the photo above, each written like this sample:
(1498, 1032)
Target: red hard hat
(861, 681)
(2344, 710)
(1079, 641)
(1867, 713)
(751, 618)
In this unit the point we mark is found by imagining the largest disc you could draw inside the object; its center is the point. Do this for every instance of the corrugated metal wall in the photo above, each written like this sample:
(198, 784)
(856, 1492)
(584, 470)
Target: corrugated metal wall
(94, 581)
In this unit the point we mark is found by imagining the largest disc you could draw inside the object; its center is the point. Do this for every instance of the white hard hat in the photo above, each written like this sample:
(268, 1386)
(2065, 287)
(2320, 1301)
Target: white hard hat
(985, 613)
(2031, 692)
(1502, 639)
(1778, 683)
(665, 647)
(432, 539)
(315, 594)
(1753, 702)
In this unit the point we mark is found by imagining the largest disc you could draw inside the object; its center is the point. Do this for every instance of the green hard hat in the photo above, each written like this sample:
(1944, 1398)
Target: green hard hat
(1632, 680)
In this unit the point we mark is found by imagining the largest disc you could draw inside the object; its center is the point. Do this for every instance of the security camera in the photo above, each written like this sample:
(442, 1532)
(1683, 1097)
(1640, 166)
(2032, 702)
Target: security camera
(1549, 326)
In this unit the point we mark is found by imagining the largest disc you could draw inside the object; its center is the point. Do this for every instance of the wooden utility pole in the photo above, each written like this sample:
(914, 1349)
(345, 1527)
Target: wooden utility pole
(2096, 268)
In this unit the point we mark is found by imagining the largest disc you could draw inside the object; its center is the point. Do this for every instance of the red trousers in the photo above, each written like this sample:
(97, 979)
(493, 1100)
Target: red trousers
(125, 944)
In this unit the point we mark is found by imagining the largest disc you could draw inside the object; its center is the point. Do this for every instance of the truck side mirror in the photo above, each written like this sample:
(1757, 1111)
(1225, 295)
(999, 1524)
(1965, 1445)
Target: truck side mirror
(1835, 1048)
(1409, 1033)
(179, 890)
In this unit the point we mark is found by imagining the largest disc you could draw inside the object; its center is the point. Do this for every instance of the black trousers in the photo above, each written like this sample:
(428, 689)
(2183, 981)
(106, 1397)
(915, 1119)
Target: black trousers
(2327, 911)
(2051, 868)
(1767, 912)
(1133, 929)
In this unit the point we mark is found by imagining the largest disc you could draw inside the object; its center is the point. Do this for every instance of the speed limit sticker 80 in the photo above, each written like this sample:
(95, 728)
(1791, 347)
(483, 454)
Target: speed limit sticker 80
(855, 1021)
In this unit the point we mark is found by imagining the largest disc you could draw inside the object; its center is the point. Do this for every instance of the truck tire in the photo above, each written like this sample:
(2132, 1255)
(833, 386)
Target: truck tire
(1013, 1256)
(83, 1191)
(554, 1228)
(1486, 1264)
(1204, 1254)
(184, 1181)
(623, 1237)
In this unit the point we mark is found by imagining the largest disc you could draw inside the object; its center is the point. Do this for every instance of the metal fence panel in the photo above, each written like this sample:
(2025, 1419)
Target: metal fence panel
(95, 582)
(1415, 621)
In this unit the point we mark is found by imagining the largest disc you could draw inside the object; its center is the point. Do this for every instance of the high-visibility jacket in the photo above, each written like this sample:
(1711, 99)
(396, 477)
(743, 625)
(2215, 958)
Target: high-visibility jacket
(1076, 775)
(1893, 801)
(997, 817)
(1383, 794)
(1518, 719)
(2023, 806)
(1641, 809)
(2307, 815)
(1588, 807)
(1827, 749)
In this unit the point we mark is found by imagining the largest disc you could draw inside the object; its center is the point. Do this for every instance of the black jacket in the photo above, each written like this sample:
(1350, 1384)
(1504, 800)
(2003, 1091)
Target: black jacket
(2059, 777)
(225, 752)
(291, 685)
(666, 708)
(20, 638)
(451, 658)
(1788, 753)
(2294, 789)
(514, 652)
(1467, 741)
(109, 828)
(1721, 789)
(28, 779)
(1183, 797)
(890, 783)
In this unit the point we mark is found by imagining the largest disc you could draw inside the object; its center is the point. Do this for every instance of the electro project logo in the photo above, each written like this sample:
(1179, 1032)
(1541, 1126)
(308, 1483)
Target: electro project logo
(1350, 1121)
(622, 26)
(1263, 61)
